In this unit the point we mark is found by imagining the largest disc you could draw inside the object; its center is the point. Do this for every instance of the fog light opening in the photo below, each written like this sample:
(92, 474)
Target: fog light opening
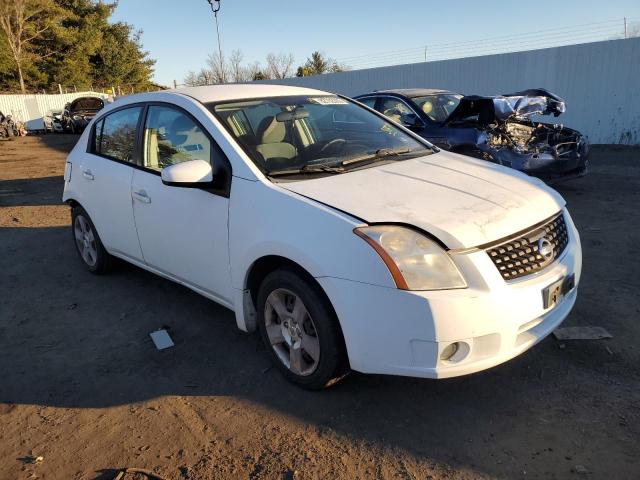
(455, 352)
(449, 351)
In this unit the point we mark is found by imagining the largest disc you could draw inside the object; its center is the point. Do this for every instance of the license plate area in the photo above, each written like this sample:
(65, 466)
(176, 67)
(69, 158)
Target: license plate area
(552, 294)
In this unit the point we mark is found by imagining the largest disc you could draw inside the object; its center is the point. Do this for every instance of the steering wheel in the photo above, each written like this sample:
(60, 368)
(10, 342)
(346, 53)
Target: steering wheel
(333, 144)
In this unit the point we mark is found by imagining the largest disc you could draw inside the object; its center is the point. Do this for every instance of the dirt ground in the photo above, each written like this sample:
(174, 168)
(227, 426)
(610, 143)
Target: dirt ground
(82, 386)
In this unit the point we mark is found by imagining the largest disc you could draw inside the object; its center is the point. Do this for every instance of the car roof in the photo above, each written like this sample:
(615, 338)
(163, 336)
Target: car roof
(217, 93)
(410, 92)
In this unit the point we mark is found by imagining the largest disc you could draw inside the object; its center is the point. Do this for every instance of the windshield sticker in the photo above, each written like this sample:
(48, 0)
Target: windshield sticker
(328, 100)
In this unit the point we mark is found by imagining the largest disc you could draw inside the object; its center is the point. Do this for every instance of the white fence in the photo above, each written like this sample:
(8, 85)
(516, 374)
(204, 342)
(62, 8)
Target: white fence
(600, 82)
(31, 108)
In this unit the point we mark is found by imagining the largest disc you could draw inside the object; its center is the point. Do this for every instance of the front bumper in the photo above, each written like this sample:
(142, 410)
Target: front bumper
(391, 331)
(546, 166)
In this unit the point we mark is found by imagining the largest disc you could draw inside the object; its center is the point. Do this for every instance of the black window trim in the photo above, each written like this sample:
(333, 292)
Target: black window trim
(100, 120)
(218, 159)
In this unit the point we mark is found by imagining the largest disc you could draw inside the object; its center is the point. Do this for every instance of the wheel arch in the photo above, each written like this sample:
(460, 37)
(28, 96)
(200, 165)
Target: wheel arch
(258, 271)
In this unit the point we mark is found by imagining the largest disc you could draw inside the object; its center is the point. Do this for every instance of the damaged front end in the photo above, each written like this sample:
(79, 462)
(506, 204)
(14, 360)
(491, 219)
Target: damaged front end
(507, 134)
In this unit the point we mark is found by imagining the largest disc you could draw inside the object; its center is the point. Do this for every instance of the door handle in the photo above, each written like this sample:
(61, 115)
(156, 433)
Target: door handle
(87, 174)
(142, 196)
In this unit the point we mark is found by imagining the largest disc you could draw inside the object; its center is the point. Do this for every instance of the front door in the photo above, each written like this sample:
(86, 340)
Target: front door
(183, 231)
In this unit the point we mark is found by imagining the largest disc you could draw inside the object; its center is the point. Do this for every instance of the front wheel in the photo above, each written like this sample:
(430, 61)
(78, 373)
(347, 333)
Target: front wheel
(300, 330)
(88, 243)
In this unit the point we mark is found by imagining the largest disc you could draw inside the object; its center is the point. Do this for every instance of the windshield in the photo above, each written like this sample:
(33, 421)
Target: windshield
(439, 106)
(323, 134)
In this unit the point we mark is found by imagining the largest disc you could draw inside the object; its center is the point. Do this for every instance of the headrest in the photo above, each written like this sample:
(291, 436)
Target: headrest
(271, 131)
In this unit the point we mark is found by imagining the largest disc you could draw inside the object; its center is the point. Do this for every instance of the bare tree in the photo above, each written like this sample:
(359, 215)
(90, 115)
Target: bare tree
(191, 79)
(24, 22)
(238, 71)
(218, 68)
(206, 77)
(280, 66)
(203, 77)
(254, 71)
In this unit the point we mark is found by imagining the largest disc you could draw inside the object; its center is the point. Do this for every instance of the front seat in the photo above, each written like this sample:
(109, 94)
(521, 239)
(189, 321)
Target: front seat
(427, 107)
(271, 134)
(394, 114)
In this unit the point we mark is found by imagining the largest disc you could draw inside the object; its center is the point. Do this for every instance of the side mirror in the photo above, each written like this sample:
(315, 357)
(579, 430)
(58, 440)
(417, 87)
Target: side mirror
(194, 173)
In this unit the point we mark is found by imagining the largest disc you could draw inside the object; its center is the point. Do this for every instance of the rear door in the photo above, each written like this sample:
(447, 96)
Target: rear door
(183, 231)
(104, 175)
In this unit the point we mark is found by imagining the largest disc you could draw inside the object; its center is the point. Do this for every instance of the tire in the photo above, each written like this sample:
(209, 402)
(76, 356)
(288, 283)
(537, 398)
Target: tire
(319, 327)
(88, 243)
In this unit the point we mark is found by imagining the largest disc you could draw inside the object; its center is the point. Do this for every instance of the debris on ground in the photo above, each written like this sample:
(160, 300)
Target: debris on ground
(580, 469)
(161, 339)
(581, 333)
(30, 459)
(124, 473)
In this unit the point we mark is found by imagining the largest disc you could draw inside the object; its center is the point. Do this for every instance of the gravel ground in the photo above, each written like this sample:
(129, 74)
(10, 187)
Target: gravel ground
(82, 386)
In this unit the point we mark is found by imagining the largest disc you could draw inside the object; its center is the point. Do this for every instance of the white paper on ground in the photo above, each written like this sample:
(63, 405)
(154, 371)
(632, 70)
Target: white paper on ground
(161, 339)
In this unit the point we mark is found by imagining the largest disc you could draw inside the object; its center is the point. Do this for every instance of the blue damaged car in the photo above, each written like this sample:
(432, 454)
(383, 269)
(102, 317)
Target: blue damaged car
(502, 129)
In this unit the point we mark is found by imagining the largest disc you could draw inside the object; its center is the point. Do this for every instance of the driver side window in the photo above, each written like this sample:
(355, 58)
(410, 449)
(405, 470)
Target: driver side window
(394, 109)
(170, 137)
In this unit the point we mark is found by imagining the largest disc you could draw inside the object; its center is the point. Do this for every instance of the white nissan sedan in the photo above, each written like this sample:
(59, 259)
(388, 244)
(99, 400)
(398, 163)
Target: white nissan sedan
(345, 239)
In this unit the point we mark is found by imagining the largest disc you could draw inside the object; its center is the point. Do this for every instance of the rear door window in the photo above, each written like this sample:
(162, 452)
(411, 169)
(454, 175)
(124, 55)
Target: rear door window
(115, 135)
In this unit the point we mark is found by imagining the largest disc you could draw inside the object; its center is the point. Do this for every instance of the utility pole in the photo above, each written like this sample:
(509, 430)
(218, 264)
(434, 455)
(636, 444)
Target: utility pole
(215, 9)
(625, 27)
(425, 53)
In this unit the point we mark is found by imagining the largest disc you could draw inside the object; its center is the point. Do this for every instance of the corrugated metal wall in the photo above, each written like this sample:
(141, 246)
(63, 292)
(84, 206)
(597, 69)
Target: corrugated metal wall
(31, 108)
(600, 82)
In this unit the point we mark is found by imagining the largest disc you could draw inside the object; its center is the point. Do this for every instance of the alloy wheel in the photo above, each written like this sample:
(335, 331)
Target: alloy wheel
(291, 332)
(85, 240)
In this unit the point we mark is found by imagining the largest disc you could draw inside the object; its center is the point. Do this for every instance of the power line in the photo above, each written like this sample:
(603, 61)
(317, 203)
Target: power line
(504, 37)
(582, 33)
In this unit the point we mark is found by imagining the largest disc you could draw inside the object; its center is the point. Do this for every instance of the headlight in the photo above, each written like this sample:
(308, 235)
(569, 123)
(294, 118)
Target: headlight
(415, 261)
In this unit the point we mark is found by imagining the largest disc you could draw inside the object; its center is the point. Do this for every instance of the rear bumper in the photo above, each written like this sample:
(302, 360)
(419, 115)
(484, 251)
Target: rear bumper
(390, 331)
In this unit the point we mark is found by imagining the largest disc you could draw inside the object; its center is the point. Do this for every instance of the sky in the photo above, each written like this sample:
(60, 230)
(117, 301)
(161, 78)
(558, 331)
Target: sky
(181, 34)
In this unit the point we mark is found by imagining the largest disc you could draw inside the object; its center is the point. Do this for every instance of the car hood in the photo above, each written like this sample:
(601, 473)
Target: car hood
(461, 201)
(503, 107)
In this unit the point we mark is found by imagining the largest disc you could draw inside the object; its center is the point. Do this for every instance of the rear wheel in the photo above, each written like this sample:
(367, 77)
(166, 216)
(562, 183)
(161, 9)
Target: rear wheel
(88, 243)
(300, 330)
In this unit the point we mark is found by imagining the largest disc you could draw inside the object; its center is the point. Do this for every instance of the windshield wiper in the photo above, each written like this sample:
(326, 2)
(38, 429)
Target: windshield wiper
(380, 153)
(305, 169)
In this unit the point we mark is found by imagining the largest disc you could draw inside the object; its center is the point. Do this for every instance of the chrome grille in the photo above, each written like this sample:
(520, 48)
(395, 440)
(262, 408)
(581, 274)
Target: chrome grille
(532, 251)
